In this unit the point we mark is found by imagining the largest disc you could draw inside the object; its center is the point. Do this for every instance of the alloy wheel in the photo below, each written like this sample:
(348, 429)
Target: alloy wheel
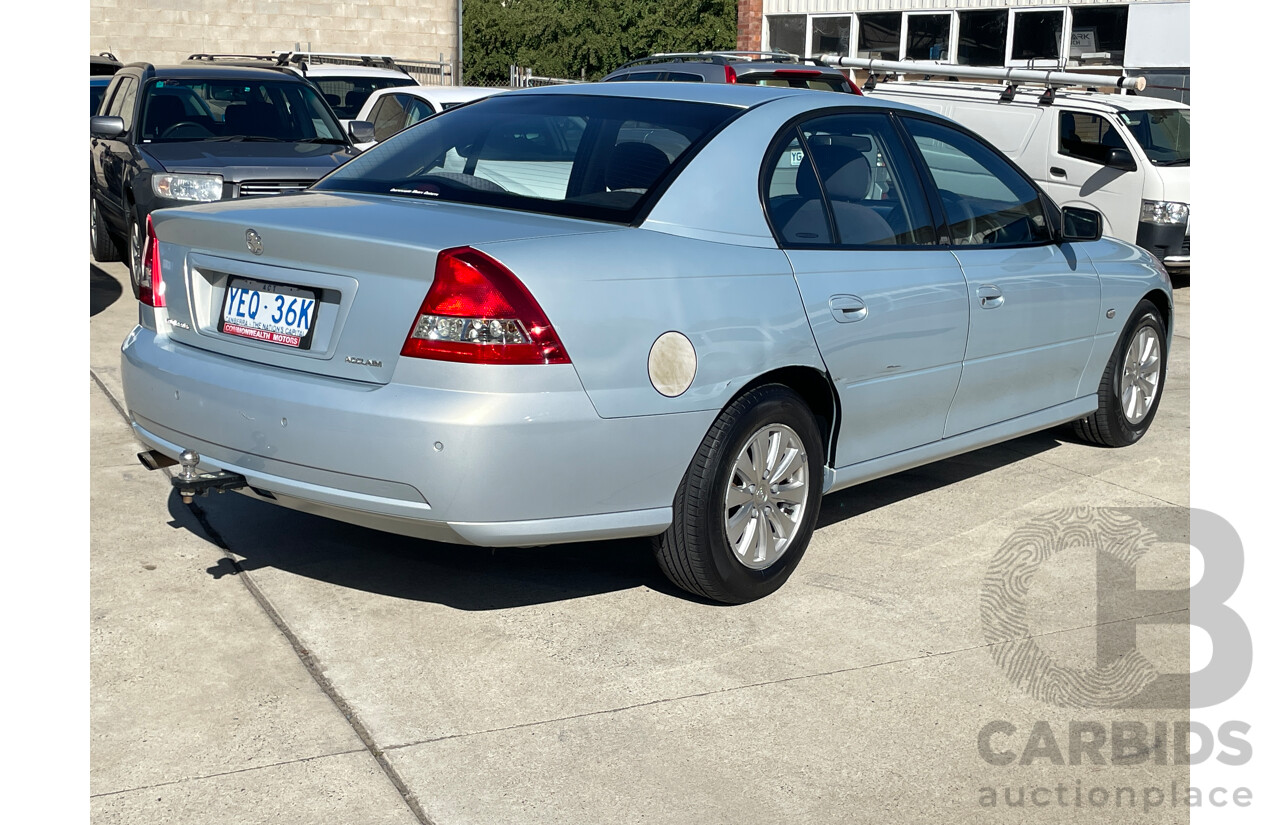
(765, 501)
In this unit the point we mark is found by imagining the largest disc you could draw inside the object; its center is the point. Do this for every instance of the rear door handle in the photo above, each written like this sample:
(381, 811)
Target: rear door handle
(1057, 171)
(990, 297)
(847, 308)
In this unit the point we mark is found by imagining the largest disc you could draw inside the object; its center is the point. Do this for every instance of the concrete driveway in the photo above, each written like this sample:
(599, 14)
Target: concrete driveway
(252, 664)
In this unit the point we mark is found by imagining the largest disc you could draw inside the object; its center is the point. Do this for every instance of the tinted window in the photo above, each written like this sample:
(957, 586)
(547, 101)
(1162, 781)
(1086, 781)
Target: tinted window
(797, 79)
(928, 36)
(122, 103)
(986, 200)
(879, 34)
(1085, 136)
(347, 94)
(852, 171)
(394, 112)
(96, 93)
(578, 155)
(237, 110)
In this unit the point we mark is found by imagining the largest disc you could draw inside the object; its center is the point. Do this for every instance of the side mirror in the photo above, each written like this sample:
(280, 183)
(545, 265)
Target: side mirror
(361, 131)
(1121, 159)
(1081, 224)
(106, 127)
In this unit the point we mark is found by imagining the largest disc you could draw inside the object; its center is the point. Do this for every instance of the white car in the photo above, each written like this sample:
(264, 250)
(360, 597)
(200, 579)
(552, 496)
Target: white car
(394, 109)
(348, 88)
(345, 85)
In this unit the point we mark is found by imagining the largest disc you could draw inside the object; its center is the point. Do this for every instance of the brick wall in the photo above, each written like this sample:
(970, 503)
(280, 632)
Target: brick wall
(750, 18)
(167, 31)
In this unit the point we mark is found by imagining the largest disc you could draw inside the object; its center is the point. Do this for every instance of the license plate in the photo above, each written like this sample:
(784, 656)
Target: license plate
(276, 313)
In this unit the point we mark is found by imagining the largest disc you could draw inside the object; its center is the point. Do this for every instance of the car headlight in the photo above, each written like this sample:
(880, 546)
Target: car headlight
(188, 187)
(1165, 212)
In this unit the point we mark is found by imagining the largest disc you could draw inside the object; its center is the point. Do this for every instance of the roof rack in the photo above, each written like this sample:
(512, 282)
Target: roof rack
(1051, 80)
(720, 58)
(215, 57)
(381, 61)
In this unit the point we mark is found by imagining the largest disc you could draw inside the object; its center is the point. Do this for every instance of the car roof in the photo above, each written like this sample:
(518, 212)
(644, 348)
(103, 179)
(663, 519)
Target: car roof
(441, 94)
(723, 93)
(199, 70)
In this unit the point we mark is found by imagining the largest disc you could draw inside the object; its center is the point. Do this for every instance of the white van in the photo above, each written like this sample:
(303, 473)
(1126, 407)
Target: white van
(1127, 156)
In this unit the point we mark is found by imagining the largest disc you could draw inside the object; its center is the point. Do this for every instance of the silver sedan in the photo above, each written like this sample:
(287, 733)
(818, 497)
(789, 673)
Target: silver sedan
(673, 310)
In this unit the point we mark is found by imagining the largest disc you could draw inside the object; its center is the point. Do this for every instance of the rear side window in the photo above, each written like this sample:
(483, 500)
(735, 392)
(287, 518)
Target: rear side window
(798, 79)
(1088, 137)
(576, 155)
(986, 200)
(846, 180)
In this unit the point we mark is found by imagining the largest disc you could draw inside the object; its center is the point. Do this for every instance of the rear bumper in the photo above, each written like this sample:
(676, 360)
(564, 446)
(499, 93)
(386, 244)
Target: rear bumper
(458, 465)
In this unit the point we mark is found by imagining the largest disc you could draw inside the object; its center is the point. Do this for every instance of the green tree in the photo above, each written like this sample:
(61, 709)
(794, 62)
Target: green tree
(585, 38)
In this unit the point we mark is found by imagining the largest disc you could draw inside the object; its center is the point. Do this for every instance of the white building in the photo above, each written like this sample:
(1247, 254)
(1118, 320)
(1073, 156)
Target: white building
(1150, 38)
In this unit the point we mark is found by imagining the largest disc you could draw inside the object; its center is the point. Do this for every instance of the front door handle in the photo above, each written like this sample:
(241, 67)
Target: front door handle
(1057, 171)
(990, 297)
(847, 308)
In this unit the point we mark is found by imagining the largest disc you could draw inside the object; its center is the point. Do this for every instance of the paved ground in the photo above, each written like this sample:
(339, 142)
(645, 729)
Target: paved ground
(251, 664)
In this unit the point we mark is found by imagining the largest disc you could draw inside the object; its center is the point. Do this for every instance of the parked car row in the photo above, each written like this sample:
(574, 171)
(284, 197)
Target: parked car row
(681, 310)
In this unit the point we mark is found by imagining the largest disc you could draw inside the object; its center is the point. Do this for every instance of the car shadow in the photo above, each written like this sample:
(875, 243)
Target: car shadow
(267, 536)
(104, 290)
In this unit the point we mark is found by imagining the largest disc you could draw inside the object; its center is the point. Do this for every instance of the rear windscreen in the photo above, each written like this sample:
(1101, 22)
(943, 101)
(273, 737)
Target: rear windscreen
(577, 155)
(796, 80)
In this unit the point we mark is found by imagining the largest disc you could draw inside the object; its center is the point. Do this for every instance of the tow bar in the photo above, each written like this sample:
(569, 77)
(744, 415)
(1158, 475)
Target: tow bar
(188, 482)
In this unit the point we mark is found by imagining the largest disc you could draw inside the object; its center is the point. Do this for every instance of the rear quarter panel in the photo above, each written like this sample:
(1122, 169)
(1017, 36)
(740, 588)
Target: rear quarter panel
(610, 296)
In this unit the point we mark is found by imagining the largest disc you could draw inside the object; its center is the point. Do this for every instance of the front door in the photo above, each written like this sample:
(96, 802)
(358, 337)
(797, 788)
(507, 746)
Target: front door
(1033, 303)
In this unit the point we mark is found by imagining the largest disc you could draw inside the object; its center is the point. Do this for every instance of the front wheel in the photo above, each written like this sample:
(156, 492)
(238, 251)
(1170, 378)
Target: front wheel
(747, 505)
(1132, 384)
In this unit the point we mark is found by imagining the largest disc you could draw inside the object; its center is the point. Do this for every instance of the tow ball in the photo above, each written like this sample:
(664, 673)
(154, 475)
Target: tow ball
(188, 482)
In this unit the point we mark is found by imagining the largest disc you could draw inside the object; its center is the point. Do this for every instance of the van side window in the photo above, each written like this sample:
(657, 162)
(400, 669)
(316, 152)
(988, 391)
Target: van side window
(1088, 137)
(986, 200)
(851, 174)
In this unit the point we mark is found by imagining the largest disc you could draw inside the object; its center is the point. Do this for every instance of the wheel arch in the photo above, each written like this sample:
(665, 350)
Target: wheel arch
(816, 390)
(1165, 307)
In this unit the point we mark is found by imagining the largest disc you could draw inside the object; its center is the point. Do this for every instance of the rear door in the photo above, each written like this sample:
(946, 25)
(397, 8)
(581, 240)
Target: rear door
(886, 304)
(1033, 304)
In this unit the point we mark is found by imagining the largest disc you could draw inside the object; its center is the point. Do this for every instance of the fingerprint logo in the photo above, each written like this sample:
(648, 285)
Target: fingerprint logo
(1112, 682)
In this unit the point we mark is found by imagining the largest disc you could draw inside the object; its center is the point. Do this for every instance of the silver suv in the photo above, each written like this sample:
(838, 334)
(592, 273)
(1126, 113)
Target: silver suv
(747, 68)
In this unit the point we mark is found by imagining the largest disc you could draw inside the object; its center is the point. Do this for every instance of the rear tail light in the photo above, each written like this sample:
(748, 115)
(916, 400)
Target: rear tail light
(730, 76)
(478, 312)
(150, 280)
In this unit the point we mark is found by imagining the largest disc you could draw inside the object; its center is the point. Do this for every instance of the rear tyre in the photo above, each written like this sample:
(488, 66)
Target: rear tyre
(136, 242)
(101, 243)
(1132, 384)
(747, 505)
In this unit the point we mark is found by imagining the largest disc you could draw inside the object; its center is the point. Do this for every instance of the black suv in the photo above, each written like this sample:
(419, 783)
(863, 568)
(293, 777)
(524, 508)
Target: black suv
(177, 135)
(754, 68)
